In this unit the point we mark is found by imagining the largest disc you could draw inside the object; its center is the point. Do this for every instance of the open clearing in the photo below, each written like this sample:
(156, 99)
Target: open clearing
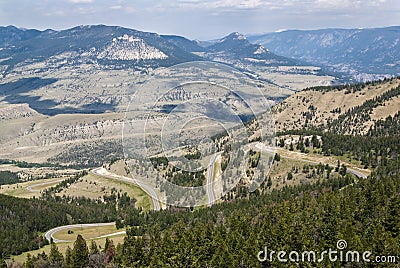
(29, 189)
(317, 158)
(95, 187)
(87, 233)
(279, 171)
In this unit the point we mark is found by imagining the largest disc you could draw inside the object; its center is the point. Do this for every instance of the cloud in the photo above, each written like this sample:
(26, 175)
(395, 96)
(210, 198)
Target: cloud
(213, 4)
(238, 5)
(81, 1)
(335, 4)
(116, 7)
(359, 4)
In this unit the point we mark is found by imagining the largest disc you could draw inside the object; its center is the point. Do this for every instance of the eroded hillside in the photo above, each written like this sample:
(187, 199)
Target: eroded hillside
(344, 109)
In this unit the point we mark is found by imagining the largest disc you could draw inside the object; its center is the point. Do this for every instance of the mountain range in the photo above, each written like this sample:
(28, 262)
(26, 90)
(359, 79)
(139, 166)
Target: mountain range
(361, 54)
(355, 54)
(117, 47)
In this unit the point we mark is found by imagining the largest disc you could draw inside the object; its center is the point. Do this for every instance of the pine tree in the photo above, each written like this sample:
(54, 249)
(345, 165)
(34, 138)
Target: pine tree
(68, 257)
(119, 224)
(55, 255)
(29, 262)
(107, 244)
(315, 142)
(307, 142)
(80, 253)
(269, 182)
(3, 263)
(110, 252)
(343, 170)
(281, 143)
(93, 248)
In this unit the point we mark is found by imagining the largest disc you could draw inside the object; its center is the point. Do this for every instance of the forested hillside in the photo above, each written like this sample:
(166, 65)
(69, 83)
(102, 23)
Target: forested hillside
(25, 221)
(312, 217)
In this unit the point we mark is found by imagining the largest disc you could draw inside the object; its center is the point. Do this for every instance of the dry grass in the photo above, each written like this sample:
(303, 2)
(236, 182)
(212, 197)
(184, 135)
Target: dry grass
(19, 189)
(86, 233)
(279, 171)
(289, 112)
(318, 158)
(297, 81)
(391, 108)
(95, 187)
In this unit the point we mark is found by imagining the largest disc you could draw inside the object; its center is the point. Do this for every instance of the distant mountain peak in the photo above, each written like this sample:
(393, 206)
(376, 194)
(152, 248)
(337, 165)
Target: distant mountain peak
(238, 36)
(109, 46)
(235, 36)
(184, 43)
(235, 48)
(236, 42)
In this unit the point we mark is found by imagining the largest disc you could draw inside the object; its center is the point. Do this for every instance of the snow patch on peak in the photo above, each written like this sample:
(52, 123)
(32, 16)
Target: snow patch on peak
(128, 38)
(233, 36)
(260, 50)
(239, 36)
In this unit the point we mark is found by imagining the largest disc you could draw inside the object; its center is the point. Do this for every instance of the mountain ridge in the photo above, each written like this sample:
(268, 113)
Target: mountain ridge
(354, 109)
(86, 43)
(362, 54)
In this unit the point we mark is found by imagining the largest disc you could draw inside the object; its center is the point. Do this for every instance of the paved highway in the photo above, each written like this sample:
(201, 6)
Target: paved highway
(50, 234)
(29, 188)
(260, 146)
(209, 184)
(148, 189)
(349, 170)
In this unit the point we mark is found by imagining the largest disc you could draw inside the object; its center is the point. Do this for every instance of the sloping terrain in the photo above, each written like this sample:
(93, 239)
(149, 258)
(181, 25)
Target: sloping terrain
(10, 35)
(237, 50)
(89, 69)
(345, 109)
(64, 93)
(92, 44)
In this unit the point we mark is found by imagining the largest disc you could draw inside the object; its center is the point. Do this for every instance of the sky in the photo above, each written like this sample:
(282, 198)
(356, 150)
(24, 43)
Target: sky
(201, 20)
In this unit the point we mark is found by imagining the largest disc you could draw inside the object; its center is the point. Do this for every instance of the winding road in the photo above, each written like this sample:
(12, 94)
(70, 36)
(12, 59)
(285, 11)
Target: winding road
(103, 173)
(260, 146)
(29, 188)
(148, 189)
(209, 184)
(356, 173)
(50, 233)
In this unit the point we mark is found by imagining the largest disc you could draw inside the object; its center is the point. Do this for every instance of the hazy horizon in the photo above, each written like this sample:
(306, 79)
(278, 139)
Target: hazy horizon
(246, 34)
(202, 20)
